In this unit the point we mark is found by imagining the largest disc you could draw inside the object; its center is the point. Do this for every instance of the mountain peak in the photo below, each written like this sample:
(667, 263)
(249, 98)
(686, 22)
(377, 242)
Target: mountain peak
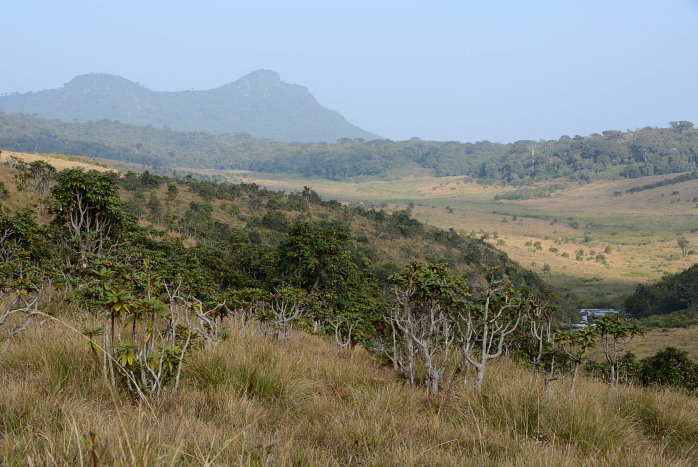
(267, 77)
(259, 103)
(96, 80)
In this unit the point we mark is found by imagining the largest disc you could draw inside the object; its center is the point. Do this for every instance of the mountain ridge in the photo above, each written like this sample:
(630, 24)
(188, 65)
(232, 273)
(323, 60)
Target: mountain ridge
(259, 103)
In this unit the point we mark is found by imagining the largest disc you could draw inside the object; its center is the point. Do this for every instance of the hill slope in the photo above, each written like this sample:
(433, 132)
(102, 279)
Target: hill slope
(258, 103)
(632, 154)
(673, 293)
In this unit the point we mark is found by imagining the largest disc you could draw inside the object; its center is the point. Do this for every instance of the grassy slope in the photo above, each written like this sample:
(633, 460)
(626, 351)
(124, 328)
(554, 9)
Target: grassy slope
(305, 402)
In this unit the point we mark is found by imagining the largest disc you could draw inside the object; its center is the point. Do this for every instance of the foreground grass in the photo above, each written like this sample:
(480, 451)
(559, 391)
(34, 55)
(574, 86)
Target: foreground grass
(305, 402)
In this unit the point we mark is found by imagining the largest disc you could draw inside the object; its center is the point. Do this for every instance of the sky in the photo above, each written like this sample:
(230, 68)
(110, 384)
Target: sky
(441, 70)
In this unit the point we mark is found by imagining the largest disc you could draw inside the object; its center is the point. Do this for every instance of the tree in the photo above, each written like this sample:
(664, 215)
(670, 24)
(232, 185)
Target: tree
(87, 204)
(172, 192)
(681, 126)
(574, 345)
(278, 312)
(23, 251)
(485, 325)
(424, 320)
(614, 335)
(683, 244)
(35, 176)
(314, 255)
(671, 367)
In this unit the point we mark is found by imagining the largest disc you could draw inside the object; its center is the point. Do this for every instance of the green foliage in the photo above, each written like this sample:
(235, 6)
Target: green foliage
(614, 335)
(669, 181)
(25, 250)
(34, 176)
(530, 193)
(425, 318)
(646, 151)
(244, 271)
(316, 257)
(670, 367)
(675, 319)
(683, 244)
(88, 206)
(275, 220)
(673, 293)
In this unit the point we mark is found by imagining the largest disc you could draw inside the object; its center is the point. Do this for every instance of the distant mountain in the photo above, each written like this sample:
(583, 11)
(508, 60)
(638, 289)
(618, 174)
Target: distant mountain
(259, 103)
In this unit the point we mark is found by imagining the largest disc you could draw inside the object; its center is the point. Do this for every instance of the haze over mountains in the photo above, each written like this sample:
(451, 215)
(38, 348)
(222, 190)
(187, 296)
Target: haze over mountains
(258, 103)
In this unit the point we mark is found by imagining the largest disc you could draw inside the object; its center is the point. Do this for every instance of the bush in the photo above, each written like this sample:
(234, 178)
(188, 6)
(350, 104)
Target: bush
(669, 367)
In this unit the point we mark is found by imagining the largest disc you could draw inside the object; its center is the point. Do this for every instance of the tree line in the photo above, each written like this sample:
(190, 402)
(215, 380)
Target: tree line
(633, 153)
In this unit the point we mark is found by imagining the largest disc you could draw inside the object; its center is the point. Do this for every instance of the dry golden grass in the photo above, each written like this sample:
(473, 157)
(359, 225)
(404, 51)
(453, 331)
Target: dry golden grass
(600, 197)
(59, 161)
(251, 402)
(658, 339)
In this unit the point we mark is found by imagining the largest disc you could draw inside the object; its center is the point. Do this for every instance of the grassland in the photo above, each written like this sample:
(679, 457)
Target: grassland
(305, 402)
(658, 339)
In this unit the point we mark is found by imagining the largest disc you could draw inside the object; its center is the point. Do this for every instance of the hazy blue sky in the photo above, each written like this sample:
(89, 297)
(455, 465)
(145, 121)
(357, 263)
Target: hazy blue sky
(446, 70)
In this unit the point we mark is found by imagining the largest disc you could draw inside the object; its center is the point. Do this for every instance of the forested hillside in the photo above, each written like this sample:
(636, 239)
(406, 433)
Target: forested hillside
(223, 238)
(674, 298)
(258, 103)
(646, 151)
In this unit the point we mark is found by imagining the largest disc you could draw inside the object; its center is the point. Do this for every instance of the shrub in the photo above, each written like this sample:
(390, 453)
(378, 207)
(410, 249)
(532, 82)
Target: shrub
(669, 367)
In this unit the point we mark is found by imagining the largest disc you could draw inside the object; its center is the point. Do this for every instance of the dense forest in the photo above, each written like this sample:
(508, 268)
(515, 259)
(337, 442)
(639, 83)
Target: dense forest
(641, 152)
(675, 295)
